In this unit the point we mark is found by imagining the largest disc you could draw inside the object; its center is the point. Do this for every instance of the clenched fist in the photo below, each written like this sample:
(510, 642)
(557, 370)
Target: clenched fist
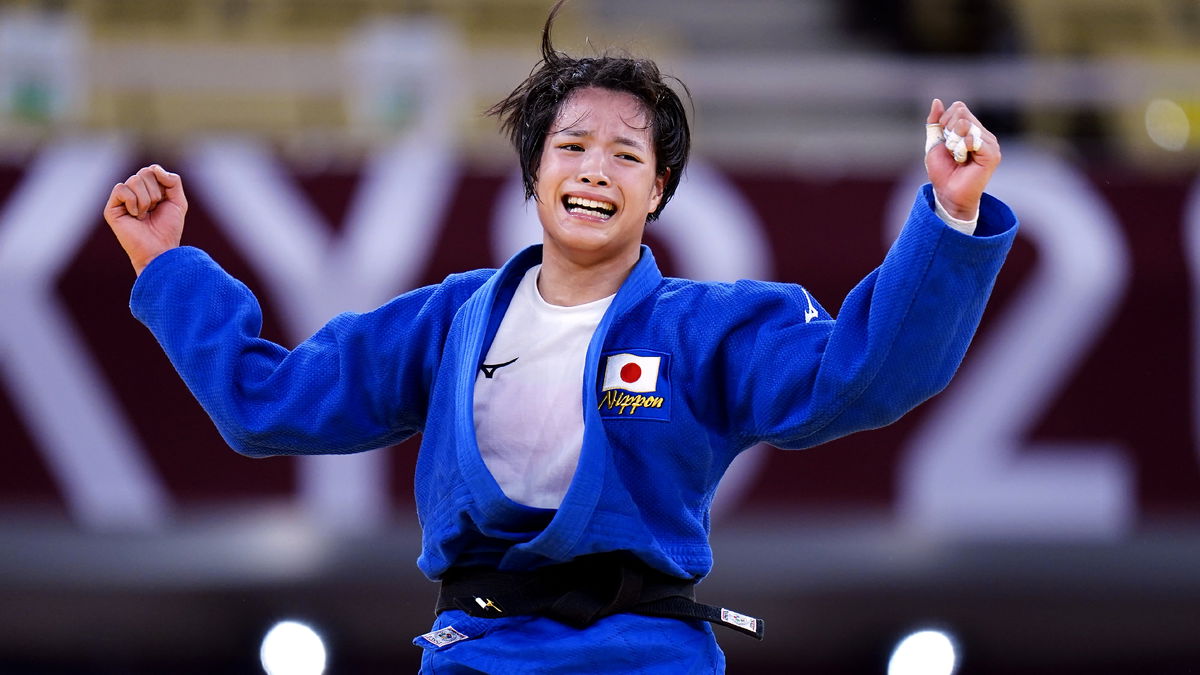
(959, 184)
(146, 213)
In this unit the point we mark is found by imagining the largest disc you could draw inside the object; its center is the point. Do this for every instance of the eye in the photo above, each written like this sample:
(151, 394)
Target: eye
(571, 147)
(631, 158)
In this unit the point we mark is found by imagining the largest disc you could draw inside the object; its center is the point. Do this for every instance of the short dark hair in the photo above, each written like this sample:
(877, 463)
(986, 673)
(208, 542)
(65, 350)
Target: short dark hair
(527, 113)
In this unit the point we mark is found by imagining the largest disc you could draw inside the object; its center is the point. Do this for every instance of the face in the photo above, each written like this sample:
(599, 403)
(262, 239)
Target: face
(597, 183)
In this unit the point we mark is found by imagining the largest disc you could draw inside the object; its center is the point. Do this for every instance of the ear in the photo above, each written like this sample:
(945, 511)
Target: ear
(660, 184)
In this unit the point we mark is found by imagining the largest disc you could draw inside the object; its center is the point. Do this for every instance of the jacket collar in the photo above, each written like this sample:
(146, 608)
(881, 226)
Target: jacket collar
(642, 280)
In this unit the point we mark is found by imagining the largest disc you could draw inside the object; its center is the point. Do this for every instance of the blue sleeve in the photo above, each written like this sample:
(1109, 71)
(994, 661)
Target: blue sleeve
(898, 338)
(361, 382)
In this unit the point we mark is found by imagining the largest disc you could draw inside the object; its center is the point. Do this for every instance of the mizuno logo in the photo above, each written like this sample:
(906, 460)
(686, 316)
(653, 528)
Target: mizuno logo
(810, 313)
(489, 370)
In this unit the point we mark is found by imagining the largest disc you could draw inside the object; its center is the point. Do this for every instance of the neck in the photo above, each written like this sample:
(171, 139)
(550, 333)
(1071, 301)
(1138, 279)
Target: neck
(566, 282)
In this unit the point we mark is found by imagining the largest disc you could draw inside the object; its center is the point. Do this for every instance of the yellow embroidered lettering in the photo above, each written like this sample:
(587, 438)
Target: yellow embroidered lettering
(607, 400)
(620, 401)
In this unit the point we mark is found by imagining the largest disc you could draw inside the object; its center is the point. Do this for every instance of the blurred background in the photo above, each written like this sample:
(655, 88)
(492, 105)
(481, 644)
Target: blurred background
(1043, 513)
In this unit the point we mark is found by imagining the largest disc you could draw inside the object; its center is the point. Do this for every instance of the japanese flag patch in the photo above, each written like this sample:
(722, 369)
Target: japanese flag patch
(635, 384)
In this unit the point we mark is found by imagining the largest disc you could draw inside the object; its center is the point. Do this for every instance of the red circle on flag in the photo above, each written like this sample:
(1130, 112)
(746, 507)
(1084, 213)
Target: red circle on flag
(631, 372)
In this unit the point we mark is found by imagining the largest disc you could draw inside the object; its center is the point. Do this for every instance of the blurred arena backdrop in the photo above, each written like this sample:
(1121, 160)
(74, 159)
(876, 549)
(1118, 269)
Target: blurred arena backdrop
(1043, 512)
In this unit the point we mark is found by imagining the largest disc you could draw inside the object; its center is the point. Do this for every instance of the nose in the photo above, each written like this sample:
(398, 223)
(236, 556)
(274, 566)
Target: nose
(592, 171)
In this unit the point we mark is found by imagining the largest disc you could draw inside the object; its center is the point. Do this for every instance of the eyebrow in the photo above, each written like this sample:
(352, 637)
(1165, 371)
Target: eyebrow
(584, 133)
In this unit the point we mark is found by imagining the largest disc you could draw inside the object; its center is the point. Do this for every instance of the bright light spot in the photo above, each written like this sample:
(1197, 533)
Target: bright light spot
(1167, 124)
(928, 652)
(291, 648)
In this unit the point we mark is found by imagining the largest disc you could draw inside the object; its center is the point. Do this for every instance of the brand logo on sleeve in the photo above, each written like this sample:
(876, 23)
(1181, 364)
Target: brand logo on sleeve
(634, 384)
(810, 313)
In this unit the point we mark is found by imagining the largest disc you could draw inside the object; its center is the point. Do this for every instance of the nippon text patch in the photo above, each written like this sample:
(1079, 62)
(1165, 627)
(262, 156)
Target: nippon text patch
(635, 384)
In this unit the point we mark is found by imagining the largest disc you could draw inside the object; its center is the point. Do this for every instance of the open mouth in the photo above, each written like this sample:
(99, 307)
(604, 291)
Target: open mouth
(589, 207)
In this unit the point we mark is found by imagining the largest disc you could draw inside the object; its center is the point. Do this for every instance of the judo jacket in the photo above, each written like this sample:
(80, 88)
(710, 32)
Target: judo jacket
(721, 367)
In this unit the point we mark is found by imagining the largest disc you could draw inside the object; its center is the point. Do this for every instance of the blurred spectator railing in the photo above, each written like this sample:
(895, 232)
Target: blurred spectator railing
(1115, 81)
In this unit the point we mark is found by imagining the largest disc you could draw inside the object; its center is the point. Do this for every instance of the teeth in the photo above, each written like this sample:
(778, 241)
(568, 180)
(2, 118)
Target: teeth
(591, 203)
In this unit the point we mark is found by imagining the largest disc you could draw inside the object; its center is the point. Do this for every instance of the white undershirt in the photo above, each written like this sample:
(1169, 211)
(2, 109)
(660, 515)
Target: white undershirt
(529, 414)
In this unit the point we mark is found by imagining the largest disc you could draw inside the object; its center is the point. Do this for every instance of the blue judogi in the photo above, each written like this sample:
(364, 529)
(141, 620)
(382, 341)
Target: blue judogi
(737, 364)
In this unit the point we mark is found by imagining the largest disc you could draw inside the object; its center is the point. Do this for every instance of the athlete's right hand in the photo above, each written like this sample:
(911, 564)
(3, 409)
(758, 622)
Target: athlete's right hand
(146, 213)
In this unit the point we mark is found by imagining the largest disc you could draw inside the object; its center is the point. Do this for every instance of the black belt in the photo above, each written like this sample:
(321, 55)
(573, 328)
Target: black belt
(580, 592)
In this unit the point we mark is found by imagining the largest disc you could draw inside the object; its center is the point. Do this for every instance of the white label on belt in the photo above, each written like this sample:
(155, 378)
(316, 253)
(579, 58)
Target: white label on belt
(444, 636)
(740, 620)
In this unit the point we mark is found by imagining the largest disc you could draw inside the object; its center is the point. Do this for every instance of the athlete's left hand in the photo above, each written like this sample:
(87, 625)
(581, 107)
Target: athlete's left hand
(959, 187)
